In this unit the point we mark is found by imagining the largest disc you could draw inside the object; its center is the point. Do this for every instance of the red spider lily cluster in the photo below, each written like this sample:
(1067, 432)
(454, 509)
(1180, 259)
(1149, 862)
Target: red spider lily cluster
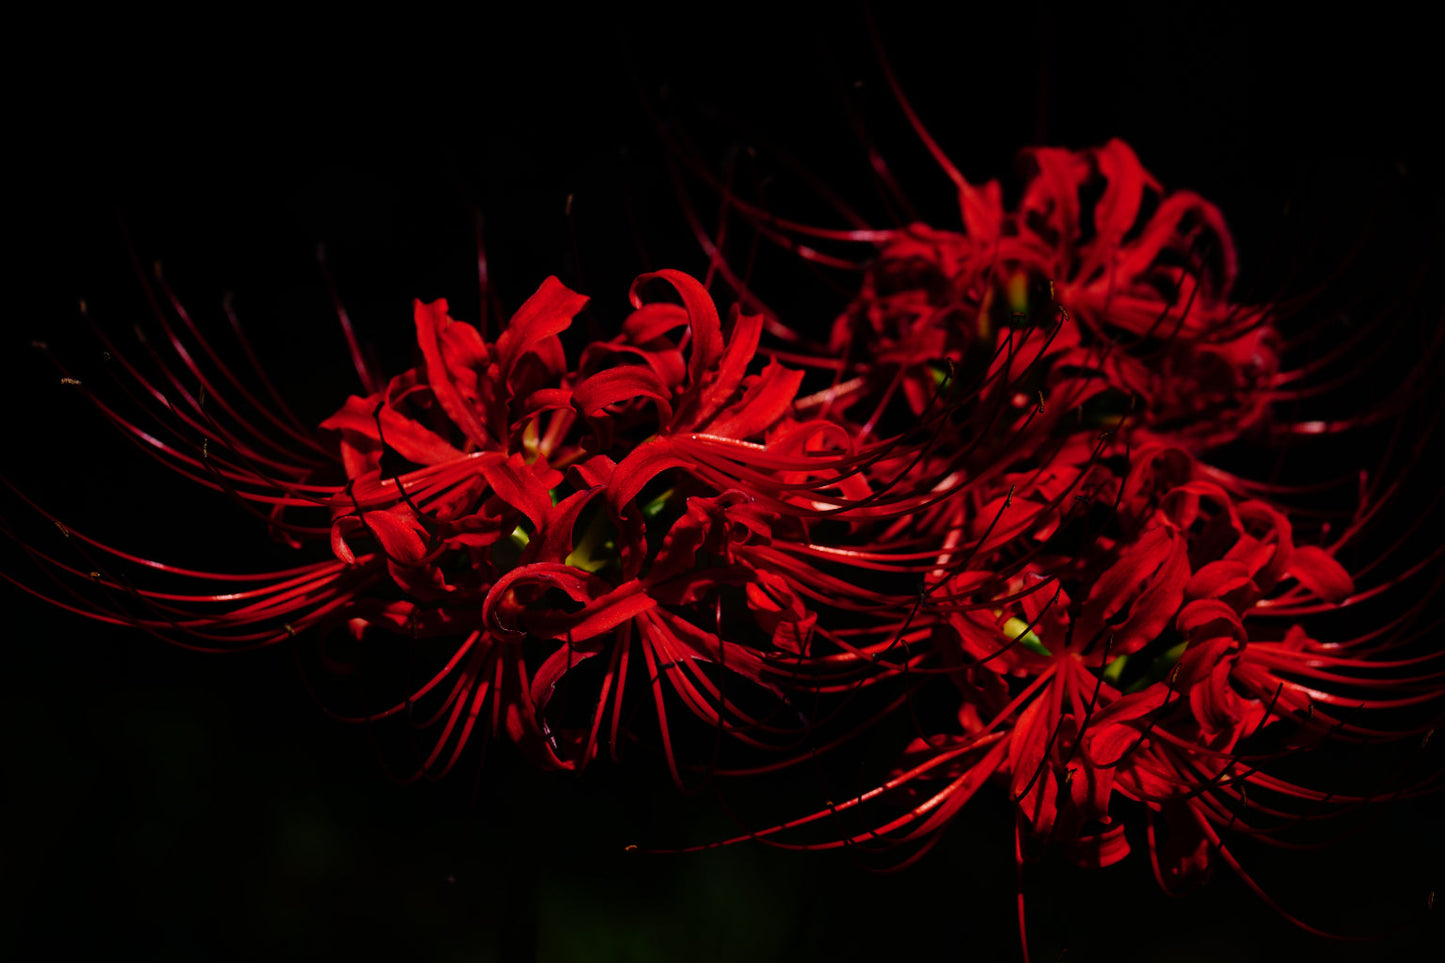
(992, 490)
(1120, 616)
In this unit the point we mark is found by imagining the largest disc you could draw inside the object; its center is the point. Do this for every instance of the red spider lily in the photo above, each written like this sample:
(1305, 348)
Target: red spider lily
(498, 519)
(1000, 476)
(1147, 284)
(1112, 628)
(1141, 672)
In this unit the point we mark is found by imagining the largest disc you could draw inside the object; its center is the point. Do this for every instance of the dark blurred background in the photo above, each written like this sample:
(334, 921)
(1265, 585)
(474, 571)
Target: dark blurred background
(174, 806)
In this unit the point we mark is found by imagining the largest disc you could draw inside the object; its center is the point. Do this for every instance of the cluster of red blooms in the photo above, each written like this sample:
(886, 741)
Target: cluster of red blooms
(997, 494)
(1120, 616)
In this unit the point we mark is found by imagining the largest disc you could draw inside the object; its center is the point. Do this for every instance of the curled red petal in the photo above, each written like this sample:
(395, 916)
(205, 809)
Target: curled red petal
(768, 398)
(1140, 593)
(545, 314)
(742, 347)
(1099, 849)
(1318, 571)
(517, 483)
(617, 385)
(501, 603)
(1210, 618)
(411, 440)
(400, 536)
(646, 462)
(604, 613)
(652, 321)
(702, 319)
(431, 321)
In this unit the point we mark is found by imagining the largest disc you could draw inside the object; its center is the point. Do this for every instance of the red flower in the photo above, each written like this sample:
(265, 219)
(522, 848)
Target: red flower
(499, 519)
(1106, 603)
(1004, 483)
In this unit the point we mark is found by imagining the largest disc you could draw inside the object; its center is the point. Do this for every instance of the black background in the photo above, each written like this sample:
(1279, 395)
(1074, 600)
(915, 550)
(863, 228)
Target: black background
(189, 807)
